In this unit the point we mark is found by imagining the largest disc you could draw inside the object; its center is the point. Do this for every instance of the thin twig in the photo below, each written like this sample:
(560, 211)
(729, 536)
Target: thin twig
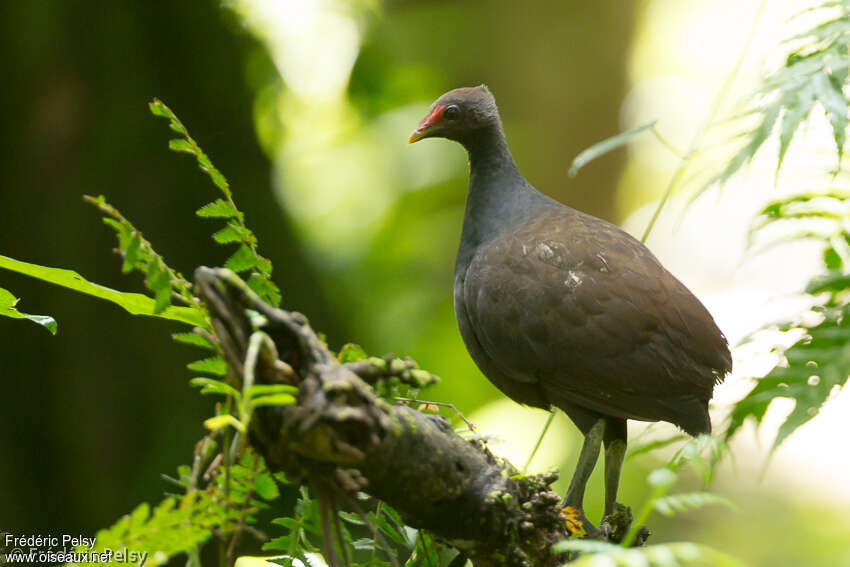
(452, 407)
(700, 135)
(539, 440)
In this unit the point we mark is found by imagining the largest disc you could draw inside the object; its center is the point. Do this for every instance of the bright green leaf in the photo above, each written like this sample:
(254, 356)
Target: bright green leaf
(211, 386)
(134, 303)
(218, 209)
(180, 145)
(7, 309)
(220, 421)
(192, 339)
(243, 259)
(351, 353)
(213, 365)
(273, 400)
(266, 487)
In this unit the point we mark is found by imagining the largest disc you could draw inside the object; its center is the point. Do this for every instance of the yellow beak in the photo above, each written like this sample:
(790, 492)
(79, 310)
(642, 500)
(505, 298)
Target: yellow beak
(416, 136)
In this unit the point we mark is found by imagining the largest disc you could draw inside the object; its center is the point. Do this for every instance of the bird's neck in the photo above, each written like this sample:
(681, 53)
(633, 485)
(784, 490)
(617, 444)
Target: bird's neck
(499, 196)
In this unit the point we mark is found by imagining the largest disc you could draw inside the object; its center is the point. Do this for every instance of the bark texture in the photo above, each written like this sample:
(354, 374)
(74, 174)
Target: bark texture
(340, 435)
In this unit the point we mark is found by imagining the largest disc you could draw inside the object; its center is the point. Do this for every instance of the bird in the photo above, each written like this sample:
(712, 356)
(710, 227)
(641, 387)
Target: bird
(562, 309)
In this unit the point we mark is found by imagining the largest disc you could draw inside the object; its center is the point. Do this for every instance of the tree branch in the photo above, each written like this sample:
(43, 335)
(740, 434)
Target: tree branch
(341, 436)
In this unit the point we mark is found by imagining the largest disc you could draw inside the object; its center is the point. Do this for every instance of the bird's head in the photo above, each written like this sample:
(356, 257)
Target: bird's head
(458, 115)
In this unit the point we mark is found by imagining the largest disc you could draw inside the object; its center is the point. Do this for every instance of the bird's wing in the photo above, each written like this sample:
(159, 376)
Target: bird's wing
(579, 306)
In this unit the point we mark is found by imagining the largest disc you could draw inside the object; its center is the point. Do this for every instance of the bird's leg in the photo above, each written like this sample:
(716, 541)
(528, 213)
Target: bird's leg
(586, 462)
(615, 452)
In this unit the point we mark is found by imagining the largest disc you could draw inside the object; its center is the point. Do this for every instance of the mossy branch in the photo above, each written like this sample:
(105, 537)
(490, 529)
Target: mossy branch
(341, 437)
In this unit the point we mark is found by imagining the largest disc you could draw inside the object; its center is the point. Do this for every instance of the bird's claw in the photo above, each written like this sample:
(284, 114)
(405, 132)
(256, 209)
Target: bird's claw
(577, 524)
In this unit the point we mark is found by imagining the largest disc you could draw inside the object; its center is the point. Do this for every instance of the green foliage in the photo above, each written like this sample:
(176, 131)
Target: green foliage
(814, 76)
(607, 145)
(817, 363)
(175, 526)
(597, 553)
(246, 258)
(8, 309)
(134, 303)
(180, 523)
(702, 452)
(673, 504)
(140, 256)
(377, 538)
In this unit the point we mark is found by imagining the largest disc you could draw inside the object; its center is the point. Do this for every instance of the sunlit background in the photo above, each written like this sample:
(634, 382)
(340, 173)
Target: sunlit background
(367, 226)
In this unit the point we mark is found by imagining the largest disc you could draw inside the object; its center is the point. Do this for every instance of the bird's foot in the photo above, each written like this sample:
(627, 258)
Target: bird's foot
(614, 526)
(577, 524)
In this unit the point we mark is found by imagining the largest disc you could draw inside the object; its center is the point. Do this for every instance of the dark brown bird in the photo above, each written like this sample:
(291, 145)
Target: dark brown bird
(559, 308)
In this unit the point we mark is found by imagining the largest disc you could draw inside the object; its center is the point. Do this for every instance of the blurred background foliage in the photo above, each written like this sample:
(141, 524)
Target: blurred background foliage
(305, 107)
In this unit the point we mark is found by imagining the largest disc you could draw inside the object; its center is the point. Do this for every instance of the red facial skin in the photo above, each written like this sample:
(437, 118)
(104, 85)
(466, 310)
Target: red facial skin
(434, 117)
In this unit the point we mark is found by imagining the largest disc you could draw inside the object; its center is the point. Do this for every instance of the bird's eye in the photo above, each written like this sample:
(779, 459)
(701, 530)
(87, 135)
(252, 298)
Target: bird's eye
(451, 112)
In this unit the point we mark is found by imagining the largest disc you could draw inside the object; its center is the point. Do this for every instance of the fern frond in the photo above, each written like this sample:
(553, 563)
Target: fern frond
(817, 362)
(165, 282)
(681, 554)
(814, 76)
(247, 258)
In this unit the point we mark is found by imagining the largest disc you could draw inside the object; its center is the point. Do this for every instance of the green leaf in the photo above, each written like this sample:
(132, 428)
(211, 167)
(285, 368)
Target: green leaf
(242, 260)
(744, 155)
(794, 115)
(273, 400)
(265, 288)
(266, 487)
(131, 253)
(213, 365)
(832, 259)
(674, 503)
(351, 353)
(7, 309)
(640, 449)
(601, 148)
(228, 234)
(661, 478)
(134, 303)
(174, 526)
(221, 421)
(158, 109)
(218, 209)
(264, 389)
(679, 554)
(193, 339)
(180, 145)
(832, 99)
(211, 386)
